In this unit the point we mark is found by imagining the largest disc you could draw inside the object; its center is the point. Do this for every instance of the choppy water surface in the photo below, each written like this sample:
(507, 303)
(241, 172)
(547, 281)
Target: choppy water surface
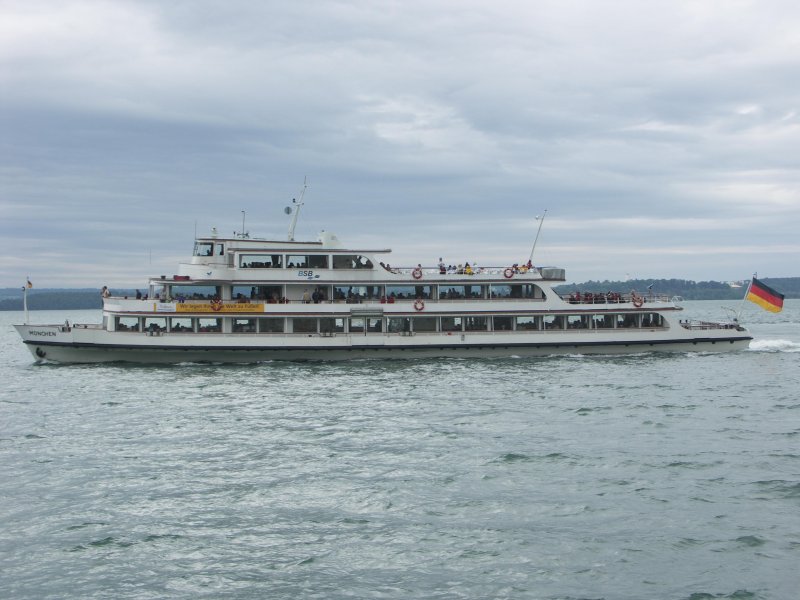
(653, 476)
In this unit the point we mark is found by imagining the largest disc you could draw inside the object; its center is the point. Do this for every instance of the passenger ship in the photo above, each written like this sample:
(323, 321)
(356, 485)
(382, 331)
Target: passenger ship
(247, 300)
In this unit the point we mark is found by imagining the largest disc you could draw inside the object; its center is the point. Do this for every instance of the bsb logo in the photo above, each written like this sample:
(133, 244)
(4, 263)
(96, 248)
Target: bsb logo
(307, 274)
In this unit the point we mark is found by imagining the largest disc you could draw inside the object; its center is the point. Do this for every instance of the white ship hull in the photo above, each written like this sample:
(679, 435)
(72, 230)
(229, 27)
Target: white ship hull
(88, 345)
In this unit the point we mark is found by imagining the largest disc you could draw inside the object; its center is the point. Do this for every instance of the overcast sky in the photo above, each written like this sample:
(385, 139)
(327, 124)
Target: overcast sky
(663, 138)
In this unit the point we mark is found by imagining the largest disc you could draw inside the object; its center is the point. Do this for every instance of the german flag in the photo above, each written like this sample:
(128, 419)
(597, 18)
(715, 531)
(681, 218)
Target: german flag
(765, 296)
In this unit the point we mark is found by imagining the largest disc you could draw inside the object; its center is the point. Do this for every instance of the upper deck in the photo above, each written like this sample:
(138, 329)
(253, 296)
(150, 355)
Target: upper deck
(260, 260)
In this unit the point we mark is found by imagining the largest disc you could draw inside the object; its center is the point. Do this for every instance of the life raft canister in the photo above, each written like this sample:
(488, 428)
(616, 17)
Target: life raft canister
(419, 304)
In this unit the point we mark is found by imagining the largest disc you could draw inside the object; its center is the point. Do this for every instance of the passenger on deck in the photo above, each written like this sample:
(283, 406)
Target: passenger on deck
(104, 292)
(138, 295)
(442, 267)
(467, 269)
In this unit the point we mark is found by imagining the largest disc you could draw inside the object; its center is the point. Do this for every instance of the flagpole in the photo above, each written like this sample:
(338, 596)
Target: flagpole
(747, 291)
(25, 302)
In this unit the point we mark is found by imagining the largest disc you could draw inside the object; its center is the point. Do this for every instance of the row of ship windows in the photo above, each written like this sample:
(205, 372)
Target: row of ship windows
(353, 293)
(289, 261)
(425, 324)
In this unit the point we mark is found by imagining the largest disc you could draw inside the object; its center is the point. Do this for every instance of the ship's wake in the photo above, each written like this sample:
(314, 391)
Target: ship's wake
(774, 346)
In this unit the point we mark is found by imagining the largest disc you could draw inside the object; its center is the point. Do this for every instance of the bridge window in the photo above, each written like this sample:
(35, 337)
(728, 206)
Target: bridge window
(459, 292)
(203, 249)
(356, 325)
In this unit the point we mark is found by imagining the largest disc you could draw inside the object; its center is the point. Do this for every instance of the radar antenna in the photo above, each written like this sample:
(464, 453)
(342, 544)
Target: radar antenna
(296, 209)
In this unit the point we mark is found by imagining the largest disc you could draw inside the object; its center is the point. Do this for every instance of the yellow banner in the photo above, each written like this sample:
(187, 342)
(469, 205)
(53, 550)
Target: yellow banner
(236, 307)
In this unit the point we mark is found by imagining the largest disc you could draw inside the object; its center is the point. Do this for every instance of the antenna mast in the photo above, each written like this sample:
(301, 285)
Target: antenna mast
(538, 231)
(297, 206)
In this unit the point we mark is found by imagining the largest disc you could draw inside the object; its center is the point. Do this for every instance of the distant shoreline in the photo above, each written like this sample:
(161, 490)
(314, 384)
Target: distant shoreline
(73, 299)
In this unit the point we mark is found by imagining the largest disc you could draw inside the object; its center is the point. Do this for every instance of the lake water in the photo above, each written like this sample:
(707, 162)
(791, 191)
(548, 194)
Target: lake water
(649, 476)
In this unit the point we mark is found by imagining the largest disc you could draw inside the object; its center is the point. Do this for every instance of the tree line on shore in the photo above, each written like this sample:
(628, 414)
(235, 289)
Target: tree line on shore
(76, 299)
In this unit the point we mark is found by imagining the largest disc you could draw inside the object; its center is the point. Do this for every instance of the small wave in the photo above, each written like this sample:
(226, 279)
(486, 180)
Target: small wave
(774, 346)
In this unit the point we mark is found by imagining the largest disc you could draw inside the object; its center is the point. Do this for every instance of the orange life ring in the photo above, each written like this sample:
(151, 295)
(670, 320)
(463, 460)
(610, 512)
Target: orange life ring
(508, 273)
(417, 273)
(419, 304)
(216, 305)
(637, 301)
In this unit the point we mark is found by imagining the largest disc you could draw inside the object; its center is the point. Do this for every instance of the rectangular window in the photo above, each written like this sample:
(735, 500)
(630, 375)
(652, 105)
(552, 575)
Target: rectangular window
(181, 325)
(351, 261)
(209, 325)
(356, 294)
(356, 325)
(182, 293)
(374, 325)
(626, 321)
(553, 322)
(652, 320)
(304, 325)
(409, 292)
(502, 323)
(296, 261)
(602, 321)
(155, 324)
(260, 261)
(515, 291)
(577, 322)
(451, 323)
(318, 261)
(270, 325)
(331, 325)
(398, 324)
(424, 324)
(244, 325)
(476, 323)
(528, 323)
(127, 324)
(203, 249)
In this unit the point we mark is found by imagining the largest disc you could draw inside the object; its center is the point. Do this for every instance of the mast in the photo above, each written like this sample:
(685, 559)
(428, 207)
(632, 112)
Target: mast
(25, 298)
(538, 231)
(747, 291)
(296, 210)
